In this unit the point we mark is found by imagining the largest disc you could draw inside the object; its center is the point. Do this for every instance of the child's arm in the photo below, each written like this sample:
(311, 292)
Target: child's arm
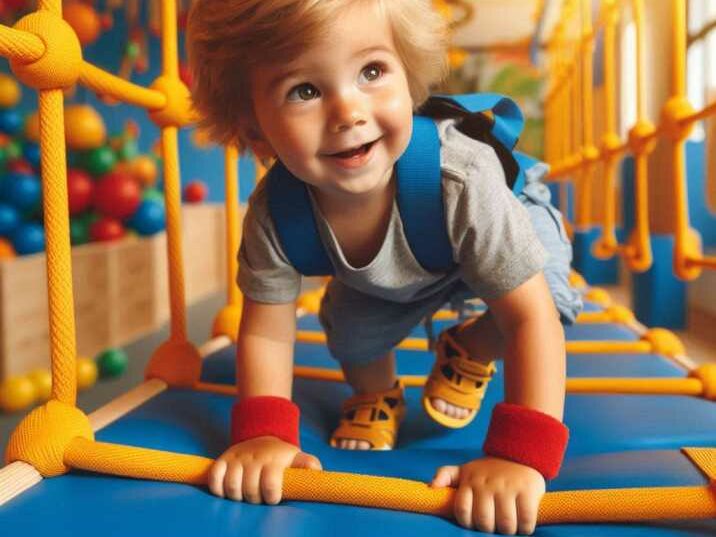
(496, 494)
(252, 469)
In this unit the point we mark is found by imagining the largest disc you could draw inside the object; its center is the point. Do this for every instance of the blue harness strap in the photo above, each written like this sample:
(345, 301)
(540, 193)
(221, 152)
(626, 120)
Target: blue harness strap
(290, 208)
(419, 190)
(420, 198)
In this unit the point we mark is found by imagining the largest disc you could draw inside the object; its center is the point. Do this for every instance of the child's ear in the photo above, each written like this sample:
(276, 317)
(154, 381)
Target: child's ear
(258, 144)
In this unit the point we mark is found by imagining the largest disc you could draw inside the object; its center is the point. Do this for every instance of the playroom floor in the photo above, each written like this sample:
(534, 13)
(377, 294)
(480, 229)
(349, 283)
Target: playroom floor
(700, 342)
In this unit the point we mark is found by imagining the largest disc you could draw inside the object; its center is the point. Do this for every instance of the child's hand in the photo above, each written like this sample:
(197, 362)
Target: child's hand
(494, 494)
(253, 470)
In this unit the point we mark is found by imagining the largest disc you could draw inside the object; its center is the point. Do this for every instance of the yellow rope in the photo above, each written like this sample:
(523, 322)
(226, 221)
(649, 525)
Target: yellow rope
(232, 221)
(172, 197)
(651, 386)
(57, 232)
(573, 347)
(118, 88)
(20, 45)
(609, 505)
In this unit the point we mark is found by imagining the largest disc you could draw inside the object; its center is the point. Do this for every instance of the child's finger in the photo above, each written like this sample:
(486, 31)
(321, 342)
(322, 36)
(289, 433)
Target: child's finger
(272, 483)
(446, 476)
(304, 460)
(506, 514)
(250, 484)
(216, 477)
(232, 482)
(483, 512)
(527, 507)
(463, 507)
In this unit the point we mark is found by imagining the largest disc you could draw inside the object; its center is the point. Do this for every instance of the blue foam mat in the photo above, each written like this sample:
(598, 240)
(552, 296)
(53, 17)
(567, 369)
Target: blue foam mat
(616, 441)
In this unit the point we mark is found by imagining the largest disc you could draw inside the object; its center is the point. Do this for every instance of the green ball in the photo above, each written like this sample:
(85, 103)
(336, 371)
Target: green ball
(132, 49)
(112, 363)
(3, 158)
(128, 150)
(153, 194)
(99, 161)
(13, 150)
(79, 230)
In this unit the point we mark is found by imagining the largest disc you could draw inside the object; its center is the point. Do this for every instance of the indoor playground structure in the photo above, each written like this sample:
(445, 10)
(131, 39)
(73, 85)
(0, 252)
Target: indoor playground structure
(642, 416)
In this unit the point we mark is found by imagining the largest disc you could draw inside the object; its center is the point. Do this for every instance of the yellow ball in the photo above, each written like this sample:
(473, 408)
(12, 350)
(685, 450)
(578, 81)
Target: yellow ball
(144, 169)
(9, 91)
(84, 127)
(17, 393)
(32, 126)
(84, 21)
(42, 380)
(86, 373)
(6, 249)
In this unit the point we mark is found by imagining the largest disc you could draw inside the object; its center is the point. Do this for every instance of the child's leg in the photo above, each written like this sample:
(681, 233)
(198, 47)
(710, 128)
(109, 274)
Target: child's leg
(482, 341)
(374, 377)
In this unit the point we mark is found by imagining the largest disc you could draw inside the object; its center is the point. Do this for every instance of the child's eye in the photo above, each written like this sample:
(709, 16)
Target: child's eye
(372, 72)
(303, 92)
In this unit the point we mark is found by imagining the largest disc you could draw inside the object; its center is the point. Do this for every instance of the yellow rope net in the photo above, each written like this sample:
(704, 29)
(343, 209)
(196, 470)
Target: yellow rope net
(45, 54)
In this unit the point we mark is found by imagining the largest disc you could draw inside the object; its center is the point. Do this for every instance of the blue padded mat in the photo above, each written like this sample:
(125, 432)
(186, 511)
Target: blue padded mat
(616, 441)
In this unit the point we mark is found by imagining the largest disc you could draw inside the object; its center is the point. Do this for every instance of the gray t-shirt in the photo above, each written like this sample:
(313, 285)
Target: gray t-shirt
(493, 243)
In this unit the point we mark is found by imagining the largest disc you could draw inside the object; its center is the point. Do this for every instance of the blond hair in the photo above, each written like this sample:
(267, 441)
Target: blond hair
(226, 38)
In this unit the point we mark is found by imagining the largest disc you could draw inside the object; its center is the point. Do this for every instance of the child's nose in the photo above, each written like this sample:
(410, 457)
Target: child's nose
(347, 112)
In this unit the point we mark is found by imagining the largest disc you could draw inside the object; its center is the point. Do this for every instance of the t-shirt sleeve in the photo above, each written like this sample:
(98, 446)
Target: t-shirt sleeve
(492, 237)
(265, 274)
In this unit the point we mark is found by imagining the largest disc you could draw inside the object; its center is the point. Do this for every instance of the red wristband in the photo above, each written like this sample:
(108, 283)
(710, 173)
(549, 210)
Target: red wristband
(265, 415)
(527, 436)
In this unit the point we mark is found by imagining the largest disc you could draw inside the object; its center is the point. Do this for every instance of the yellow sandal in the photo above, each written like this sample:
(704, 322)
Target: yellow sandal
(456, 379)
(373, 417)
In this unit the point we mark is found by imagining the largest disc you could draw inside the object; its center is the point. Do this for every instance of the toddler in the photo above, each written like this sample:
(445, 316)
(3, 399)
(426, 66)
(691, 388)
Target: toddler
(329, 88)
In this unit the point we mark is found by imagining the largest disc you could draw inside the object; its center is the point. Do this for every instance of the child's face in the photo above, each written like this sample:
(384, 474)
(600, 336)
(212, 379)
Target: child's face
(341, 114)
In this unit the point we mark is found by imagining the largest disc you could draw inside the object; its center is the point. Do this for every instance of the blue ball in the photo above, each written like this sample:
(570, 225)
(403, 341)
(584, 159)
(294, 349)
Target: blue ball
(23, 191)
(9, 219)
(31, 152)
(11, 121)
(149, 218)
(28, 238)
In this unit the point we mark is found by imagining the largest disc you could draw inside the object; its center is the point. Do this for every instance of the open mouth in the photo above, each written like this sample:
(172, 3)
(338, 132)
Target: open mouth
(355, 152)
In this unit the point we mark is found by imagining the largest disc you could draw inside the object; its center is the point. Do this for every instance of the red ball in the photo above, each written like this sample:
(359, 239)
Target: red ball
(195, 192)
(20, 166)
(117, 195)
(106, 229)
(79, 190)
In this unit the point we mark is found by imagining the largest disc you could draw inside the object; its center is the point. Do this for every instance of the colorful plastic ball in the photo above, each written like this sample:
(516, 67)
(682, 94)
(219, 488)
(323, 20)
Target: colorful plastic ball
(112, 363)
(17, 393)
(106, 229)
(144, 169)
(32, 127)
(13, 150)
(99, 161)
(9, 219)
(6, 250)
(9, 91)
(153, 194)
(11, 121)
(117, 195)
(42, 380)
(87, 373)
(84, 21)
(128, 149)
(80, 188)
(79, 231)
(23, 191)
(195, 192)
(31, 152)
(84, 128)
(150, 218)
(19, 165)
(28, 238)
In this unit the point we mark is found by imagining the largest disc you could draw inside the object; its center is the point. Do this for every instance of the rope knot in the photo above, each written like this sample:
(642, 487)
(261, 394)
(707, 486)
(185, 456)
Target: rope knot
(59, 67)
(178, 111)
(44, 434)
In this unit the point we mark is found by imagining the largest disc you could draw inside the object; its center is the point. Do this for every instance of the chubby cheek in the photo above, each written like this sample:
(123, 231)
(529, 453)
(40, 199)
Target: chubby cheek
(397, 123)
